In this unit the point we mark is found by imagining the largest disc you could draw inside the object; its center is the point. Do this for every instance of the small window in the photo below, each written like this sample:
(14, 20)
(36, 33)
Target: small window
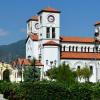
(51, 62)
(69, 48)
(85, 49)
(53, 32)
(29, 57)
(76, 49)
(78, 67)
(91, 69)
(64, 48)
(73, 48)
(93, 49)
(48, 32)
(46, 62)
(96, 48)
(41, 34)
(81, 49)
(88, 49)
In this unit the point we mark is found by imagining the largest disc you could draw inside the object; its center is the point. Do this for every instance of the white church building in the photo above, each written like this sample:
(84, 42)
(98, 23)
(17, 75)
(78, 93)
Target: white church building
(45, 44)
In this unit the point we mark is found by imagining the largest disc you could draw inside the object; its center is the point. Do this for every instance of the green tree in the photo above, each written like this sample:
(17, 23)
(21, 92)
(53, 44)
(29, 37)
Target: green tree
(79, 74)
(62, 74)
(86, 73)
(31, 73)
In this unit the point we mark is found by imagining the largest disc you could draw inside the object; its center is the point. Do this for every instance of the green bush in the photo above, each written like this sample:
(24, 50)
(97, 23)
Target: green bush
(96, 91)
(81, 92)
(42, 91)
(54, 91)
(48, 90)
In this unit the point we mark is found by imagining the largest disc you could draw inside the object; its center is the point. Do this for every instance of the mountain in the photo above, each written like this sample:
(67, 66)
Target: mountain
(12, 51)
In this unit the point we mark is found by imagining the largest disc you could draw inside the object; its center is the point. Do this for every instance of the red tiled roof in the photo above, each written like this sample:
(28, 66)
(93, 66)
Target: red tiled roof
(50, 43)
(97, 23)
(38, 63)
(79, 55)
(23, 61)
(34, 18)
(26, 62)
(77, 39)
(33, 36)
(49, 9)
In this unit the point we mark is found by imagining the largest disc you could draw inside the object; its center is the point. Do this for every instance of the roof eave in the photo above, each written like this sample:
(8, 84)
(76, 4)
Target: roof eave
(48, 11)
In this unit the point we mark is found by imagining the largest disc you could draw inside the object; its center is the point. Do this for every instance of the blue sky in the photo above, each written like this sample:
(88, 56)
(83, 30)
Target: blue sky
(77, 17)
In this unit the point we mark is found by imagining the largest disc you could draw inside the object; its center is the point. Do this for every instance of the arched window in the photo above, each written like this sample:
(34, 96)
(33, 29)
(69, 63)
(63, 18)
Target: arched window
(69, 48)
(96, 48)
(73, 48)
(78, 67)
(6, 75)
(93, 49)
(85, 49)
(81, 49)
(64, 48)
(76, 48)
(88, 49)
(53, 32)
(46, 62)
(91, 69)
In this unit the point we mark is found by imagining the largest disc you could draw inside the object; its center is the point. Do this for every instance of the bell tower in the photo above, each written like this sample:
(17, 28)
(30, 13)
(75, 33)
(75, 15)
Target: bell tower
(49, 20)
(33, 25)
(49, 36)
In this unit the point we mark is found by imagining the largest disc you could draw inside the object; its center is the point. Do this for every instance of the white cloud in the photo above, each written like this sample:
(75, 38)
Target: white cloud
(3, 32)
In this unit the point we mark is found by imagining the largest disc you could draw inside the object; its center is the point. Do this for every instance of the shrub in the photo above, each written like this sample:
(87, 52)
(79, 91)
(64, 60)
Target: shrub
(49, 90)
(42, 91)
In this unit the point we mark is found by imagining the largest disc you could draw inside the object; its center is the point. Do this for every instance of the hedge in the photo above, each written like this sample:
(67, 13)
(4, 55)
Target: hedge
(56, 91)
(46, 90)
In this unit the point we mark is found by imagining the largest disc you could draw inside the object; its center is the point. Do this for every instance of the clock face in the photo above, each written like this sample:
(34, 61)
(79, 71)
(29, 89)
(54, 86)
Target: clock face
(37, 25)
(51, 18)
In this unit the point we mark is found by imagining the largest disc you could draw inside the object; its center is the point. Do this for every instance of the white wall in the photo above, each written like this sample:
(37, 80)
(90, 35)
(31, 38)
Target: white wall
(50, 53)
(82, 63)
(31, 27)
(79, 45)
(32, 49)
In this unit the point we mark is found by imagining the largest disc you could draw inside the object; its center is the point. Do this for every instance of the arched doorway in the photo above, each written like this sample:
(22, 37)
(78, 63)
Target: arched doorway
(6, 74)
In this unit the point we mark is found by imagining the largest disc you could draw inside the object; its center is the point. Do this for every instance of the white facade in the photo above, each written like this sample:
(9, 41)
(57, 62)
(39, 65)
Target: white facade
(49, 47)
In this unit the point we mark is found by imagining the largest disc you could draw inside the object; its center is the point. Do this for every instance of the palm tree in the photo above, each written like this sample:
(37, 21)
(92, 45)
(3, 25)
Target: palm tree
(62, 74)
(86, 73)
(79, 74)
